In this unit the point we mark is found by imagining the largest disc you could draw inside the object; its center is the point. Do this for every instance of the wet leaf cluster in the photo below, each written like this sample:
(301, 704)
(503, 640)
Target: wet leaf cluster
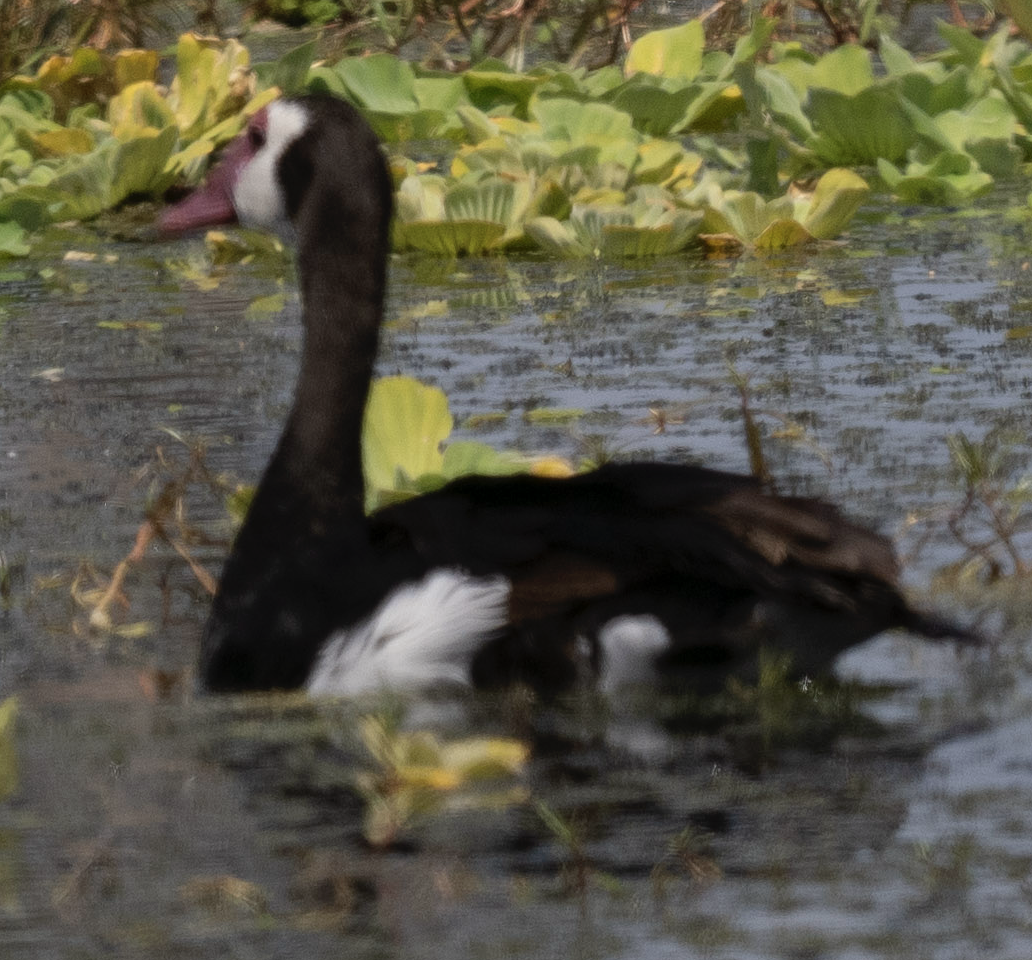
(90, 131)
(416, 775)
(681, 144)
(405, 450)
(8, 749)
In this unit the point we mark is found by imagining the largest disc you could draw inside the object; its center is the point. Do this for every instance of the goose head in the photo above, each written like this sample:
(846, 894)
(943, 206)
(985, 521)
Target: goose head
(307, 168)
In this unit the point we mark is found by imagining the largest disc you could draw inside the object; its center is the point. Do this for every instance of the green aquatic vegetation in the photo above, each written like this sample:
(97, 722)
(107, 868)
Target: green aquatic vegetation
(835, 111)
(578, 872)
(88, 76)
(450, 219)
(987, 131)
(833, 107)
(554, 157)
(992, 504)
(676, 53)
(226, 896)
(553, 416)
(417, 776)
(675, 85)
(734, 217)
(84, 185)
(687, 853)
(950, 179)
(145, 141)
(519, 181)
(652, 224)
(778, 711)
(859, 128)
(406, 424)
(945, 869)
(403, 443)
(13, 240)
(8, 748)
(399, 103)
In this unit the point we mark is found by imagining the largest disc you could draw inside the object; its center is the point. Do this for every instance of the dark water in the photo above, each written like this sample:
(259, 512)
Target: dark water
(147, 822)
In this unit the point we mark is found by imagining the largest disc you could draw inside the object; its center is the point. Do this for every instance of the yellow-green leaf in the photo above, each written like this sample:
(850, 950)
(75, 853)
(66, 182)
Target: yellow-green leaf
(8, 749)
(675, 53)
(835, 200)
(63, 142)
(781, 234)
(405, 424)
(134, 66)
(449, 238)
(265, 306)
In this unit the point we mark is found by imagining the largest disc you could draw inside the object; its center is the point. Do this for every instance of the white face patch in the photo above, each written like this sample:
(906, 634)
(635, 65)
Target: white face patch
(422, 636)
(257, 194)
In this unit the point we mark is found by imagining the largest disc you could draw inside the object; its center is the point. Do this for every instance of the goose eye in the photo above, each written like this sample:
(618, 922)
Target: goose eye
(256, 136)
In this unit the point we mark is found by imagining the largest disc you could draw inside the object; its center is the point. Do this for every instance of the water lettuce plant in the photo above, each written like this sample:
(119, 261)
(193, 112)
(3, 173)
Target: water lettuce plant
(734, 217)
(403, 443)
(631, 160)
(63, 158)
(417, 775)
(8, 749)
(950, 179)
(646, 225)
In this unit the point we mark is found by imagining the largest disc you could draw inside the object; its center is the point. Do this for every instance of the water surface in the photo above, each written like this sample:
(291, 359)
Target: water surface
(152, 823)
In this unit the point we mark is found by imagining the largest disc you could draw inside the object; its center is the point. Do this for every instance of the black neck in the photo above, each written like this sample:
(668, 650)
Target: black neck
(283, 585)
(321, 448)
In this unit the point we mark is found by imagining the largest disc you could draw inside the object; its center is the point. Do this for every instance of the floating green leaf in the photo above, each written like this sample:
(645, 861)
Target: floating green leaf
(985, 130)
(418, 775)
(267, 306)
(379, 83)
(492, 200)
(651, 225)
(151, 326)
(290, 72)
(597, 125)
(12, 240)
(470, 217)
(675, 53)
(469, 457)
(558, 238)
(212, 82)
(781, 234)
(138, 166)
(489, 89)
(552, 416)
(747, 218)
(859, 128)
(134, 66)
(449, 238)
(833, 203)
(421, 198)
(8, 749)
(950, 179)
(406, 422)
(654, 109)
(140, 107)
(846, 69)
(61, 142)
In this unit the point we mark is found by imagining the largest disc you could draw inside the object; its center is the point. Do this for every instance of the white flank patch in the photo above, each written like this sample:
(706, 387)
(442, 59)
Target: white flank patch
(257, 195)
(629, 645)
(423, 636)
